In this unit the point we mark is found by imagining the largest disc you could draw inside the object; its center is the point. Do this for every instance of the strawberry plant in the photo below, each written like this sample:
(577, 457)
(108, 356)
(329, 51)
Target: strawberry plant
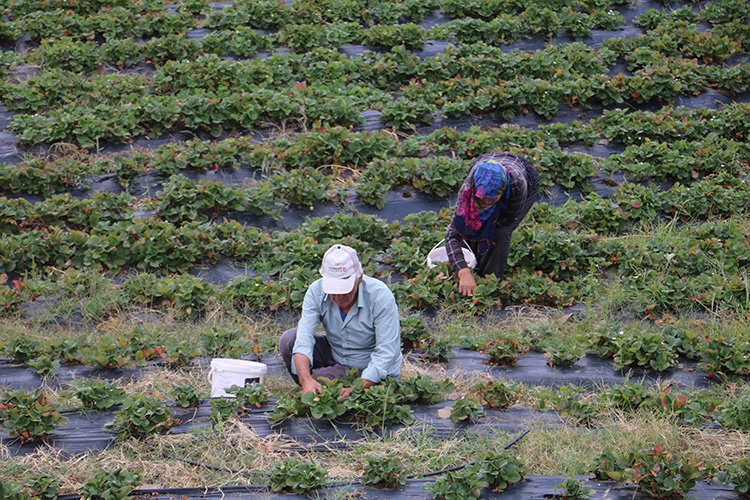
(122, 53)
(379, 405)
(223, 410)
(67, 53)
(43, 487)
(97, 394)
(735, 413)
(186, 293)
(185, 396)
(500, 470)
(44, 366)
(564, 356)
(656, 472)
(110, 485)
(406, 114)
(464, 484)
(241, 42)
(22, 349)
(13, 492)
(302, 187)
(286, 407)
(737, 476)
(28, 416)
(498, 394)
(660, 474)
(573, 489)
(146, 345)
(298, 478)
(571, 402)
(384, 472)
(466, 410)
(440, 177)
(327, 404)
(690, 408)
(604, 340)
(183, 199)
(109, 353)
(504, 351)
(140, 417)
(423, 389)
(179, 354)
(724, 355)
(253, 395)
(610, 465)
(221, 342)
(643, 349)
(435, 350)
(627, 396)
(409, 35)
(413, 331)
(684, 342)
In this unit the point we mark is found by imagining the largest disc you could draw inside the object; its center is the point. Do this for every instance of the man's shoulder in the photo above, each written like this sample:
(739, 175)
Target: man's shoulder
(316, 288)
(377, 289)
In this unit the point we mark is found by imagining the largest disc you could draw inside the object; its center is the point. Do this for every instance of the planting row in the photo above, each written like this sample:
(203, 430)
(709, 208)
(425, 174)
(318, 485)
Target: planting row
(384, 404)
(656, 472)
(329, 105)
(127, 20)
(340, 146)
(669, 35)
(553, 62)
(387, 71)
(552, 264)
(75, 55)
(182, 200)
(720, 355)
(638, 346)
(30, 417)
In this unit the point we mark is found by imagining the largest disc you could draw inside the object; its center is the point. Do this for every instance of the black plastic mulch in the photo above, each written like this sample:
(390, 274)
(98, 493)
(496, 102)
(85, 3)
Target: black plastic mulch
(530, 488)
(590, 371)
(85, 431)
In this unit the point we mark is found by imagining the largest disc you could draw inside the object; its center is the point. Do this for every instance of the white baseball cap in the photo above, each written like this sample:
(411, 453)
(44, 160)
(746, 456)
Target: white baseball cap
(340, 269)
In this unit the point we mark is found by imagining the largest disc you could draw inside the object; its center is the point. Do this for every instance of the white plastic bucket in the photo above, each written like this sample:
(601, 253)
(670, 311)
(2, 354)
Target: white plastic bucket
(440, 254)
(228, 372)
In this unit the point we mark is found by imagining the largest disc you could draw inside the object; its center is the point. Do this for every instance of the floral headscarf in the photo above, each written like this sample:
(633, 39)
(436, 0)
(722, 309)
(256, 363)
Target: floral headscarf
(485, 180)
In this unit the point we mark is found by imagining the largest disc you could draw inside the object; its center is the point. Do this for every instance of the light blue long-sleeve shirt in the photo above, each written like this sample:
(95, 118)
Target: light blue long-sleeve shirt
(370, 336)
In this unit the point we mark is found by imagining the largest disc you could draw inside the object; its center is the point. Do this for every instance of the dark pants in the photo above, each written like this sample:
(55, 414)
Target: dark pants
(324, 366)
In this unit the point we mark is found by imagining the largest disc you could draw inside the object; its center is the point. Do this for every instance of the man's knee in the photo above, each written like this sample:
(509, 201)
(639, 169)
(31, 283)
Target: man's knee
(286, 343)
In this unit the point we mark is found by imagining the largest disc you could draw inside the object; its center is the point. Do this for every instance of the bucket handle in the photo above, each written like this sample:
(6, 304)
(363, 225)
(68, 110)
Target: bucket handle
(465, 245)
(210, 375)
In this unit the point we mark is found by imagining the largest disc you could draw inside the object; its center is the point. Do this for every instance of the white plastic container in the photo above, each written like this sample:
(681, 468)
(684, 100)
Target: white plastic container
(228, 372)
(440, 254)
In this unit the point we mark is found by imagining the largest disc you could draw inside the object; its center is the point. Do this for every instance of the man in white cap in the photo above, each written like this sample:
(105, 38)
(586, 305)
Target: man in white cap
(361, 323)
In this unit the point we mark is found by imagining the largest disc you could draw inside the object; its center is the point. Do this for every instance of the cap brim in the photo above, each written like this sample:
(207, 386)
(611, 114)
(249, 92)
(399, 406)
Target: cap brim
(339, 286)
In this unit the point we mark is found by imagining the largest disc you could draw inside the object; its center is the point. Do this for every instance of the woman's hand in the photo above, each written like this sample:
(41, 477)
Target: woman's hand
(466, 283)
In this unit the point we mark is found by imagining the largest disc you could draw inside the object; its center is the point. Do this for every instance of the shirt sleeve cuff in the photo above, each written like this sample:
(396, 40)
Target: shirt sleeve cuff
(373, 374)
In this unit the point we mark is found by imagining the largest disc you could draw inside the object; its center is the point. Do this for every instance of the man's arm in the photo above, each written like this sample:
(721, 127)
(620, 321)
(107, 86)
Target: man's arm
(387, 341)
(302, 358)
(304, 374)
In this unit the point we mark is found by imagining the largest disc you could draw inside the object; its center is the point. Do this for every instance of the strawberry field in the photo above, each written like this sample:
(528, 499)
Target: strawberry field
(171, 173)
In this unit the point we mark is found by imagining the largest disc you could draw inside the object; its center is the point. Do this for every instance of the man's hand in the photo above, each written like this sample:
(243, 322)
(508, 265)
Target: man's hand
(347, 391)
(310, 385)
(466, 282)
